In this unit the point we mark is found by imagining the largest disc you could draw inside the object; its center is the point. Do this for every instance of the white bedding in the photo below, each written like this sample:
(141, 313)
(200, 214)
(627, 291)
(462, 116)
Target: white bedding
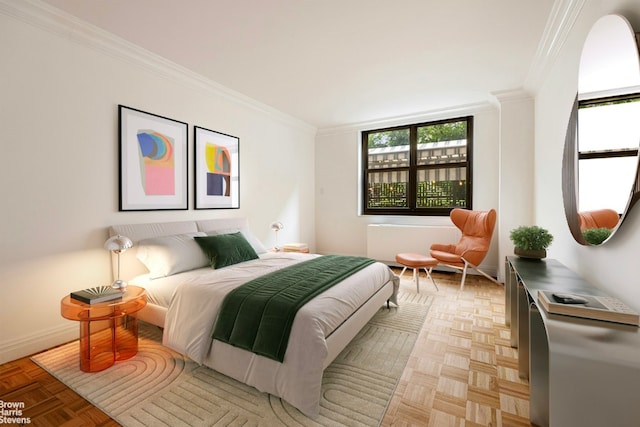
(193, 307)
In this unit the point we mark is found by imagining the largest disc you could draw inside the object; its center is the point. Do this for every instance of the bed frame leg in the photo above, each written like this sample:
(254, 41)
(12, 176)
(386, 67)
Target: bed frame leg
(388, 306)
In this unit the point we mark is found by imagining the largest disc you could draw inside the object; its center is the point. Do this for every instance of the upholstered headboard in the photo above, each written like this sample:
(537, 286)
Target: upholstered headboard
(131, 267)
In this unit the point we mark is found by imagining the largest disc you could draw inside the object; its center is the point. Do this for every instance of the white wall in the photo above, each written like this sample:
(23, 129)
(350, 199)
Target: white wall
(613, 266)
(61, 82)
(339, 226)
(516, 167)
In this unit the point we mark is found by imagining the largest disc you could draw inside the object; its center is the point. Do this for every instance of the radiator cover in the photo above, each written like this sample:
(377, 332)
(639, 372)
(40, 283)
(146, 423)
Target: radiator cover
(384, 241)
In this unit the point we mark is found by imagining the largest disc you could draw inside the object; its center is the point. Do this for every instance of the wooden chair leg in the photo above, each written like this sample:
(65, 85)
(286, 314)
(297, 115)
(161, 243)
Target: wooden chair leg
(431, 277)
(469, 265)
(487, 276)
(464, 275)
(416, 277)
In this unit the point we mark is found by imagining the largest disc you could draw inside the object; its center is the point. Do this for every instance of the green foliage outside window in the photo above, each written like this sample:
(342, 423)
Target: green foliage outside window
(441, 194)
(432, 133)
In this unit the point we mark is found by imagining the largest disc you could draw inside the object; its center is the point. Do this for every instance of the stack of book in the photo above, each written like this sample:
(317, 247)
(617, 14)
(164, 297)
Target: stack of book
(295, 247)
(589, 307)
(96, 295)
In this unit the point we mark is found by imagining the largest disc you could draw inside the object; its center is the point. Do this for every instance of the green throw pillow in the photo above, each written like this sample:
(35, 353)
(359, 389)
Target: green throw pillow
(226, 249)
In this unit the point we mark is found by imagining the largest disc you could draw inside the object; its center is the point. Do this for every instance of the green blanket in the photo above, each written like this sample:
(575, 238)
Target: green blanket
(258, 315)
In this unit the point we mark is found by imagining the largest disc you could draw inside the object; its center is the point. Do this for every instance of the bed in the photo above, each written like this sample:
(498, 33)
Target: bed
(185, 294)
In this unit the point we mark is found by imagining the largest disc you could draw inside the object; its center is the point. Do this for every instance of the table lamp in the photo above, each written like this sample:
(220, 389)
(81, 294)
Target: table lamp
(277, 226)
(118, 244)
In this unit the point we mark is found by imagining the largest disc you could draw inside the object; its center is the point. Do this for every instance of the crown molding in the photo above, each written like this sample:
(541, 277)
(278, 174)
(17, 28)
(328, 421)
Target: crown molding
(56, 21)
(559, 24)
(499, 98)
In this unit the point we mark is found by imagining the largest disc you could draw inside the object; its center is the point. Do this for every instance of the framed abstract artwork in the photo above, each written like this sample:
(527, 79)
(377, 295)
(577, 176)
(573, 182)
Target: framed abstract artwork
(217, 171)
(153, 161)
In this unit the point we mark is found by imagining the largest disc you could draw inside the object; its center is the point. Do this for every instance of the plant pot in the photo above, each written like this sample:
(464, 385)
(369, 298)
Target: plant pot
(532, 253)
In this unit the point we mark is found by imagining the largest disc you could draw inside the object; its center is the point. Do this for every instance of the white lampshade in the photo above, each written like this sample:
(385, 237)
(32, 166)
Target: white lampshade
(118, 243)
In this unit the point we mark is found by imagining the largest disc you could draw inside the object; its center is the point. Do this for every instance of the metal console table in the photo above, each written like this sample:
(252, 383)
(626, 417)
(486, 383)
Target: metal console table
(581, 372)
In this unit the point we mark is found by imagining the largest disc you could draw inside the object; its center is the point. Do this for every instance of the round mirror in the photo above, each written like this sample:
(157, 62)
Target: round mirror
(600, 166)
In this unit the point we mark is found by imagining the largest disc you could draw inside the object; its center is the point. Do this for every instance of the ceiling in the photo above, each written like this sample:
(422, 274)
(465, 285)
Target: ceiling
(336, 62)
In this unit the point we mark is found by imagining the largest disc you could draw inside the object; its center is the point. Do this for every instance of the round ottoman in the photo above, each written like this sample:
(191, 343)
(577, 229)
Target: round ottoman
(416, 262)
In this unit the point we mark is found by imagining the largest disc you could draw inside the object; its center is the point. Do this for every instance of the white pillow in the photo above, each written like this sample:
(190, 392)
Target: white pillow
(167, 255)
(253, 240)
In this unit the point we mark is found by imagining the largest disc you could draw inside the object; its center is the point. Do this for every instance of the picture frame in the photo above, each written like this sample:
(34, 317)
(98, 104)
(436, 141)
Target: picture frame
(153, 156)
(217, 170)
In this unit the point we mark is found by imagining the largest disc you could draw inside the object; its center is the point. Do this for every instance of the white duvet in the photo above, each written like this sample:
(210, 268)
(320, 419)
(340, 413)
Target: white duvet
(193, 310)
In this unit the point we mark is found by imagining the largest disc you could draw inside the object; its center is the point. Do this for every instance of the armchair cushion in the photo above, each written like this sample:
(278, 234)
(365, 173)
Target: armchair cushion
(447, 257)
(601, 218)
(443, 247)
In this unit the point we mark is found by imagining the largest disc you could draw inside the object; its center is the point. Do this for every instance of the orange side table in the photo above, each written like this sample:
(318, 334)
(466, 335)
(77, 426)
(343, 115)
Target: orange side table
(108, 330)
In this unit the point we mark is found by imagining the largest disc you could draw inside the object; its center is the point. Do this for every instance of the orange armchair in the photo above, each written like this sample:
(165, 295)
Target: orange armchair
(477, 229)
(601, 218)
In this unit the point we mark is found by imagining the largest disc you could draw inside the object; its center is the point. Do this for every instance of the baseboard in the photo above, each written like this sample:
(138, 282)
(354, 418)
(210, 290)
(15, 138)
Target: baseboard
(34, 343)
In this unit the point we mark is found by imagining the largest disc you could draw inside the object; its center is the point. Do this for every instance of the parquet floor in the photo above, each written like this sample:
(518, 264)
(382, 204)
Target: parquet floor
(47, 402)
(462, 371)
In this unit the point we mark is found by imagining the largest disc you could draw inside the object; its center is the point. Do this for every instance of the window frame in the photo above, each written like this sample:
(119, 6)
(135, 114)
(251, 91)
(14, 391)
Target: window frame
(413, 168)
(605, 153)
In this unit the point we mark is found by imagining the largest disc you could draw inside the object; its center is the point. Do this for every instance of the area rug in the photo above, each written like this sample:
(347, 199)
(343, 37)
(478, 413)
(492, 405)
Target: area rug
(160, 387)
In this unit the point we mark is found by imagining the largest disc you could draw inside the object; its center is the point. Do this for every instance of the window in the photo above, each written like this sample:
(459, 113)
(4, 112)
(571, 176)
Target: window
(420, 169)
(607, 151)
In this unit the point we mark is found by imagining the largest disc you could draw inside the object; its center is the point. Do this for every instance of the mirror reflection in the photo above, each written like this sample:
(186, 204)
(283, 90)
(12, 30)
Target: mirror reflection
(608, 132)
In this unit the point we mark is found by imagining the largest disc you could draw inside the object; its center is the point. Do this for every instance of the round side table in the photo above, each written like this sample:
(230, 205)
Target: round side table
(108, 330)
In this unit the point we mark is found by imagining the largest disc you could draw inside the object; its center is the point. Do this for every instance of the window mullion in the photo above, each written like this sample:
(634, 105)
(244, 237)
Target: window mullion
(413, 169)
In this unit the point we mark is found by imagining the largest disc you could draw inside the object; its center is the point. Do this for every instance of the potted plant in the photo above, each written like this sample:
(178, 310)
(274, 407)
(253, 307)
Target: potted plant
(531, 241)
(596, 236)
